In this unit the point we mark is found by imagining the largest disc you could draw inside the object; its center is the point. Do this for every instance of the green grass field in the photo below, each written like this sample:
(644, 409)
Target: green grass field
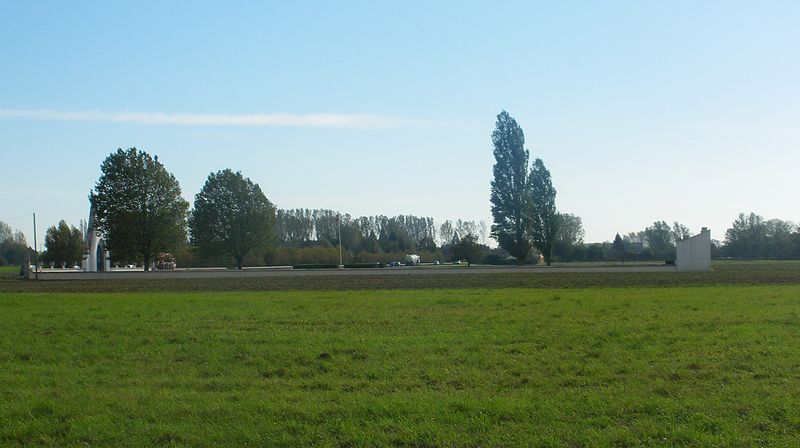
(634, 366)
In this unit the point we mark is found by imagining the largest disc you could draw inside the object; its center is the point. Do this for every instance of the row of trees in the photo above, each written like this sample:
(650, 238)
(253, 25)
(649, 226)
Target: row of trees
(372, 234)
(65, 245)
(525, 217)
(751, 236)
(657, 241)
(140, 211)
(302, 227)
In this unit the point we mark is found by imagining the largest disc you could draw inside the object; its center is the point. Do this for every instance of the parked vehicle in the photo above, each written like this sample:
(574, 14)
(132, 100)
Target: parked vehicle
(412, 260)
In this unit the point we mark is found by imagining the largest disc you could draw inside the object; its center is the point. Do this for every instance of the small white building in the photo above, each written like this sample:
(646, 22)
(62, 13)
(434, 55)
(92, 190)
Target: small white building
(694, 254)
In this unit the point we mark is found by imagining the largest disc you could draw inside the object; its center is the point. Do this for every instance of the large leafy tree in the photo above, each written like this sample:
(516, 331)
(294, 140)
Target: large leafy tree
(138, 206)
(231, 215)
(779, 238)
(511, 196)
(467, 248)
(660, 240)
(571, 232)
(747, 236)
(545, 220)
(569, 240)
(65, 245)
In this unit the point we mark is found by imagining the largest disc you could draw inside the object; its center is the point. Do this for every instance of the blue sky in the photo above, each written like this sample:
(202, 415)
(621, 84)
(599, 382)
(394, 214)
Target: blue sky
(643, 111)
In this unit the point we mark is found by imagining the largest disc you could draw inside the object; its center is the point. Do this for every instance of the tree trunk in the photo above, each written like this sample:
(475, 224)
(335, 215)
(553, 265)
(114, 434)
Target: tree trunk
(146, 262)
(239, 263)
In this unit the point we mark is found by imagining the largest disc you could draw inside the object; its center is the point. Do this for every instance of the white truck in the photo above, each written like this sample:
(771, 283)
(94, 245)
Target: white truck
(412, 260)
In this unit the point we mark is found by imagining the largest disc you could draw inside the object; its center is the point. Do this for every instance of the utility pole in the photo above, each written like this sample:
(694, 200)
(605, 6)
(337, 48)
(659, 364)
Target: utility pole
(35, 249)
(341, 265)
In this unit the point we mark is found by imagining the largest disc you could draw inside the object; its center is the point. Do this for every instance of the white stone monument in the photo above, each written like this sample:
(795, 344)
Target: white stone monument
(694, 254)
(97, 257)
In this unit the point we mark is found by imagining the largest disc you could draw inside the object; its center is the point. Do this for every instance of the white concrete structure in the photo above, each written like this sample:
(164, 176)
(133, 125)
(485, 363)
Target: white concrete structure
(694, 254)
(97, 258)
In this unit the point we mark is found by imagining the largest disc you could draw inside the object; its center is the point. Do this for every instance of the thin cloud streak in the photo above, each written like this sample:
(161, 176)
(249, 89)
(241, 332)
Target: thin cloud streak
(362, 121)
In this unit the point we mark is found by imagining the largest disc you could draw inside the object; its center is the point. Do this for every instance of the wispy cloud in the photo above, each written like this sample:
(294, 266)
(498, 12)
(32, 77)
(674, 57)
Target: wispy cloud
(364, 121)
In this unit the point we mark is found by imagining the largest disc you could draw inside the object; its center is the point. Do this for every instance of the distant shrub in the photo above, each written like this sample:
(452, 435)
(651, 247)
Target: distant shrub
(374, 265)
(315, 266)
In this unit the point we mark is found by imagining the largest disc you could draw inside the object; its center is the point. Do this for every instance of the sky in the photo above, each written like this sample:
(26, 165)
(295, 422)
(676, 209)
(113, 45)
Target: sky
(679, 111)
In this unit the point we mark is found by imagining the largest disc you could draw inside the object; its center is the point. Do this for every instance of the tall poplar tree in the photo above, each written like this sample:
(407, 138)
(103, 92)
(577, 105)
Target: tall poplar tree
(618, 248)
(545, 220)
(511, 196)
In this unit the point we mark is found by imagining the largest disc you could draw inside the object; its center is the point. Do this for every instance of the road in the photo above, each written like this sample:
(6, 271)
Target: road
(58, 274)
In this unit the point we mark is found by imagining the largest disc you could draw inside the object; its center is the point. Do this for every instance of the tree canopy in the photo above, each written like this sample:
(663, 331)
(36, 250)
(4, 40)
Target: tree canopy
(232, 215)
(138, 206)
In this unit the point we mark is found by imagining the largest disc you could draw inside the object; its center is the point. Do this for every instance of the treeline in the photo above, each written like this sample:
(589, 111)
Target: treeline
(656, 242)
(305, 236)
(311, 236)
(301, 227)
(64, 245)
(751, 236)
(139, 210)
(232, 222)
